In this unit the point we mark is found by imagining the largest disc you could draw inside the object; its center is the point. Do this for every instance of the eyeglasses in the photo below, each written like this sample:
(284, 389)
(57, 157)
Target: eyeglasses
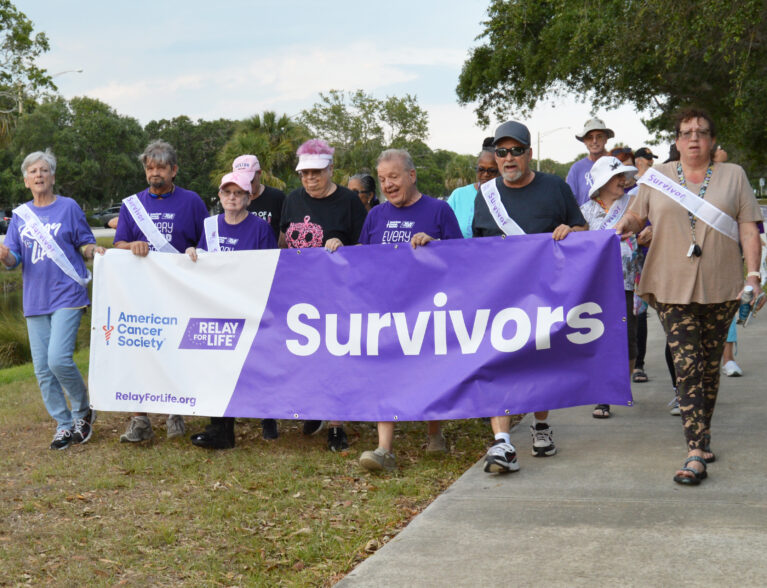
(502, 152)
(358, 192)
(487, 170)
(701, 133)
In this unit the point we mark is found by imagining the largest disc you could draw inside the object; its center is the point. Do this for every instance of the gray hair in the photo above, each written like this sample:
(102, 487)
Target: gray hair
(160, 152)
(400, 154)
(47, 156)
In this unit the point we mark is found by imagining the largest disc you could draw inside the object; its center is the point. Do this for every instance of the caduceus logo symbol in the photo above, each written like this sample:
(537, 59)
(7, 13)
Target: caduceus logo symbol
(108, 328)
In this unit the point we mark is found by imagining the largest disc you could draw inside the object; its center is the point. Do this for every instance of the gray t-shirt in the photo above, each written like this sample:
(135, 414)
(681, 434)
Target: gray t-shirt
(540, 207)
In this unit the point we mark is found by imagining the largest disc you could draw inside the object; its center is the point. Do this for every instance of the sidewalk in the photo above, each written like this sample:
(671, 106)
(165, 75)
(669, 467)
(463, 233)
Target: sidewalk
(604, 511)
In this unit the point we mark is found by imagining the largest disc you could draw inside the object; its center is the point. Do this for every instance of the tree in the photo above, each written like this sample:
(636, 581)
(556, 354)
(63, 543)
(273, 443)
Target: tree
(96, 149)
(18, 73)
(657, 54)
(360, 126)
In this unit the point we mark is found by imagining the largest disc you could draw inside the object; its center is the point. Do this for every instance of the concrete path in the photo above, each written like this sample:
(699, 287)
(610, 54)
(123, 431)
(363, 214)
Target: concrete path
(604, 511)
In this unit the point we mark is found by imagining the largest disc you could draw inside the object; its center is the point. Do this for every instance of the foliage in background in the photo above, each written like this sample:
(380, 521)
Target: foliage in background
(658, 55)
(20, 77)
(95, 147)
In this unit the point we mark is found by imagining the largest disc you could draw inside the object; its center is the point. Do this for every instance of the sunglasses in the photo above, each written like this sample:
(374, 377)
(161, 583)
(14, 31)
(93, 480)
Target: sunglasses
(502, 152)
(487, 170)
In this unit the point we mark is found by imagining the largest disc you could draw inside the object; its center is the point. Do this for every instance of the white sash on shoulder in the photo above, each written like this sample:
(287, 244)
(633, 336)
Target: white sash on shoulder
(614, 214)
(500, 216)
(702, 209)
(48, 244)
(144, 222)
(211, 233)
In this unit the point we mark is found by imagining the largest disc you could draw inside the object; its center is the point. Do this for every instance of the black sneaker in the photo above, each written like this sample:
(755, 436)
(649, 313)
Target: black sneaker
(313, 427)
(337, 440)
(269, 429)
(62, 439)
(217, 435)
(83, 428)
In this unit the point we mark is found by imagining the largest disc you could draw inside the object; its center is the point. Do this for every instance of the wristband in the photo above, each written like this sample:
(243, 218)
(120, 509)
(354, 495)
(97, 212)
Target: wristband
(754, 274)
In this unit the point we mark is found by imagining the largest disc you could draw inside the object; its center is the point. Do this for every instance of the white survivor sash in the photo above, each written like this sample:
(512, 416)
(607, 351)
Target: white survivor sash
(702, 209)
(211, 233)
(497, 210)
(48, 244)
(614, 214)
(141, 217)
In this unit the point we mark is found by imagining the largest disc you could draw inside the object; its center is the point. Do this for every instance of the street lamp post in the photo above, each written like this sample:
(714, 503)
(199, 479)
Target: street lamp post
(538, 152)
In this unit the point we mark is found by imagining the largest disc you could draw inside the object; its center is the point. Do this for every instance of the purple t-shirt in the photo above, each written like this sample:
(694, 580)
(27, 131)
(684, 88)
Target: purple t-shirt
(179, 217)
(389, 224)
(252, 233)
(46, 287)
(579, 179)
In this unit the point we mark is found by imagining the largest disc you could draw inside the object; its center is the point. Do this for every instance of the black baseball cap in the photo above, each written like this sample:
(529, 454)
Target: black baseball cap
(646, 153)
(512, 130)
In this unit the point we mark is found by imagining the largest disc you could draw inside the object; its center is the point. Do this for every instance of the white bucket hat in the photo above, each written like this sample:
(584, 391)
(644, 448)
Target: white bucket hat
(594, 124)
(604, 169)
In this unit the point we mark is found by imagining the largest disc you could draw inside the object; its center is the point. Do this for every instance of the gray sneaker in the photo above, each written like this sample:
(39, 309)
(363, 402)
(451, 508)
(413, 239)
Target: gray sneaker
(139, 429)
(436, 444)
(674, 404)
(175, 426)
(380, 459)
(543, 440)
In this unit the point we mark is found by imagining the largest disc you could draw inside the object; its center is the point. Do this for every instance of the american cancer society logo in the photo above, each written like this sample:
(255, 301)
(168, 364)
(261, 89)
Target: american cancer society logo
(212, 333)
(144, 331)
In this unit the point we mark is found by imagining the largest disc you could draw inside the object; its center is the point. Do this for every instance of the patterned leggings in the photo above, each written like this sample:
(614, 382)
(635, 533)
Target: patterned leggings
(696, 334)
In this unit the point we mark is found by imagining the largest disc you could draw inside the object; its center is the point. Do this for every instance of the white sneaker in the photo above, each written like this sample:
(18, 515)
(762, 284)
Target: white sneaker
(501, 457)
(377, 460)
(732, 369)
(543, 440)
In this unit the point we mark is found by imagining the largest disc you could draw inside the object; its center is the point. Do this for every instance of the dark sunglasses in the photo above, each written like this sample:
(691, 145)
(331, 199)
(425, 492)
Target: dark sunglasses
(502, 152)
(487, 170)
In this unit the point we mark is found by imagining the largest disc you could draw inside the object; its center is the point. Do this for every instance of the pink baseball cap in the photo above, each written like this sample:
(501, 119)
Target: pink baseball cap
(236, 177)
(247, 164)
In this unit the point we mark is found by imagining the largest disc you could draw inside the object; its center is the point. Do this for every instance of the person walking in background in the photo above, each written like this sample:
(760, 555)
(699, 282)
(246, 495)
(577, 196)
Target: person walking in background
(265, 202)
(462, 199)
(594, 135)
(50, 237)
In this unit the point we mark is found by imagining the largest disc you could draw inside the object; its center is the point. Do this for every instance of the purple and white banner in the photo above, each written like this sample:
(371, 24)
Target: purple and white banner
(456, 329)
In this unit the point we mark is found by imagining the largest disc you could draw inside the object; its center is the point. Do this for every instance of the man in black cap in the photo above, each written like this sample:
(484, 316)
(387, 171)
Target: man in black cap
(643, 160)
(534, 202)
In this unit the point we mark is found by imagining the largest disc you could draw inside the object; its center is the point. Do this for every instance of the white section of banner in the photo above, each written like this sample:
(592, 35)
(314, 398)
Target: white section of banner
(199, 378)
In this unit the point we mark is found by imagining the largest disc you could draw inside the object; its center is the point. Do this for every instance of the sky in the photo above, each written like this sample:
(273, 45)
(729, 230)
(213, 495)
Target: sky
(233, 59)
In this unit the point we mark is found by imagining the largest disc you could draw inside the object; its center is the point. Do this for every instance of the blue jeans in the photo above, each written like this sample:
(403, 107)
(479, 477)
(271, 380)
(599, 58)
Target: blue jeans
(52, 339)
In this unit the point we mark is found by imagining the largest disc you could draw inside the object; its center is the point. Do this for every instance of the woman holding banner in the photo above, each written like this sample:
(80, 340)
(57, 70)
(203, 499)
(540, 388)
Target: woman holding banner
(606, 205)
(321, 214)
(235, 230)
(701, 211)
(50, 237)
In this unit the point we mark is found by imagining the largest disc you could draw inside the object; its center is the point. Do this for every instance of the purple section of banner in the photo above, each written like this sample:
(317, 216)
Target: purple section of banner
(212, 333)
(456, 329)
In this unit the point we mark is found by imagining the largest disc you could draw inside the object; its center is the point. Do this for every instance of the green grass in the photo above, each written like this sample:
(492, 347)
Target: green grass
(281, 513)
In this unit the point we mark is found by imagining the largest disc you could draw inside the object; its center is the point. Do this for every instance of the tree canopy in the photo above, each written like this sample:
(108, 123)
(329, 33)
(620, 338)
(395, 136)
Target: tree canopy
(657, 54)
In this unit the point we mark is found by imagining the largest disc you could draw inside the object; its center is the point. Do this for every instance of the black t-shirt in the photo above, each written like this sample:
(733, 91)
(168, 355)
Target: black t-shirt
(310, 222)
(540, 207)
(268, 207)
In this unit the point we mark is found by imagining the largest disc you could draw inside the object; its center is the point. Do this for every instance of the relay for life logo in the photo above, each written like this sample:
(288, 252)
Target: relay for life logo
(212, 333)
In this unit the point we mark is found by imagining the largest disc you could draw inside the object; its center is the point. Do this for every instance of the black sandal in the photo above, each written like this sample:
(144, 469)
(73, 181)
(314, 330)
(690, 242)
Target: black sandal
(696, 477)
(639, 376)
(707, 448)
(605, 411)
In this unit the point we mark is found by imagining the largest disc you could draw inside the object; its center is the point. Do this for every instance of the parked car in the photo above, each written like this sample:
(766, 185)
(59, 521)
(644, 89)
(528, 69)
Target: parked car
(104, 216)
(4, 224)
